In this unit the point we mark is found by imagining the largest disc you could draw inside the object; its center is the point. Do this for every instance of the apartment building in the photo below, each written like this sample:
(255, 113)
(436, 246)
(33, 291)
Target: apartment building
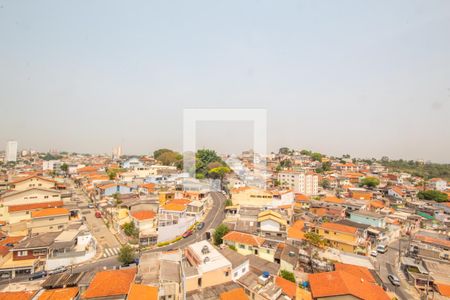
(300, 182)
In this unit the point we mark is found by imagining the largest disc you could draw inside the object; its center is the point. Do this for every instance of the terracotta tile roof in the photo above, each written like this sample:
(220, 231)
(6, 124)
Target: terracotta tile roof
(50, 212)
(142, 292)
(11, 240)
(443, 289)
(361, 272)
(149, 186)
(87, 169)
(339, 283)
(301, 197)
(240, 189)
(4, 251)
(143, 214)
(28, 295)
(289, 288)
(22, 207)
(236, 294)
(333, 199)
(174, 207)
(181, 201)
(432, 240)
(376, 204)
(339, 227)
(296, 230)
(243, 238)
(59, 294)
(33, 176)
(110, 283)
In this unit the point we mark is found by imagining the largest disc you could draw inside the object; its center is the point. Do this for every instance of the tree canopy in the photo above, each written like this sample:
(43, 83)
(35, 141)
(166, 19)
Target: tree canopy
(126, 255)
(219, 233)
(370, 182)
(433, 195)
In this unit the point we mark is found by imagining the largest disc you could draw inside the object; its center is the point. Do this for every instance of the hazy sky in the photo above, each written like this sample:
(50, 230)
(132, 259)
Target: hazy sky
(368, 78)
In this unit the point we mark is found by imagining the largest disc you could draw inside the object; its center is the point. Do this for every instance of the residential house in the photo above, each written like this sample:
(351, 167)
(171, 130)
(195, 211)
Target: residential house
(49, 220)
(271, 225)
(240, 264)
(243, 242)
(369, 218)
(341, 237)
(111, 284)
(33, 182)
(360, 194)
(212, 268)
(146, 222)
(346, 283)
(113, 188)
(437, 184)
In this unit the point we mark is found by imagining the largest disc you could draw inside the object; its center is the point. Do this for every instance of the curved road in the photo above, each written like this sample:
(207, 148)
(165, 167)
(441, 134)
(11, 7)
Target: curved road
(213, 219)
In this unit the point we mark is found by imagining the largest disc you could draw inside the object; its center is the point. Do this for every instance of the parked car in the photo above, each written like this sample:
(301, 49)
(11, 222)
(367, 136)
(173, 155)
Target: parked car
(187, 234)
(394, 279)
(382, 248)
(98, 214)
(37, 275)
(200, 225)
(90, 205)
(374, 253)
(5, 276)
(57, 270)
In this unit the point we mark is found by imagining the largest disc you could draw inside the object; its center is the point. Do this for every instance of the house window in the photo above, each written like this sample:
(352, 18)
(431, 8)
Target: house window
(51, 219)
(327, 232)
(242, 246)
(22, 253)
(199, 282)
(39, 252)
(226, 274)
(45, 197)
(235, 274)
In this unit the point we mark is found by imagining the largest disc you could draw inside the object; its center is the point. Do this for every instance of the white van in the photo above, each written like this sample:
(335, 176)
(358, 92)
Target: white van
(382, 248)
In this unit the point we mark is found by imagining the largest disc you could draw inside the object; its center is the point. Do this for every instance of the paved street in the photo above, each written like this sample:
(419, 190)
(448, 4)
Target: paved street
(387, 265)
(97, 226)
(213, 219)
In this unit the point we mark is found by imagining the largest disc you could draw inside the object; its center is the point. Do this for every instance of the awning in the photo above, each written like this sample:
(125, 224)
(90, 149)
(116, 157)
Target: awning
(425, 215)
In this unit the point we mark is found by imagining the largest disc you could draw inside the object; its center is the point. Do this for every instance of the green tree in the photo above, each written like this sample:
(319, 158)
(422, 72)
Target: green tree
(158, 152)
(285, 163)
(219, 233)
(370, 182)
(316, 156)
(284, 151)
(64, 167)
(228, 202)
(112, 173)
(314, 239)
(306, 152)
(204, 158)
(130, 229)
(433, 195)
(326, 166)
(126, 254)
(325, 183)
(287, 275)
(170, 158)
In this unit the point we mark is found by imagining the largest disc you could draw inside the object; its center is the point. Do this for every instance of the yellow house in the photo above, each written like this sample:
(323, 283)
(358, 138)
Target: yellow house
(31, 197)
(33, 182)
(165, 197)
(243, 242)
(339, 236)
(248, 196)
